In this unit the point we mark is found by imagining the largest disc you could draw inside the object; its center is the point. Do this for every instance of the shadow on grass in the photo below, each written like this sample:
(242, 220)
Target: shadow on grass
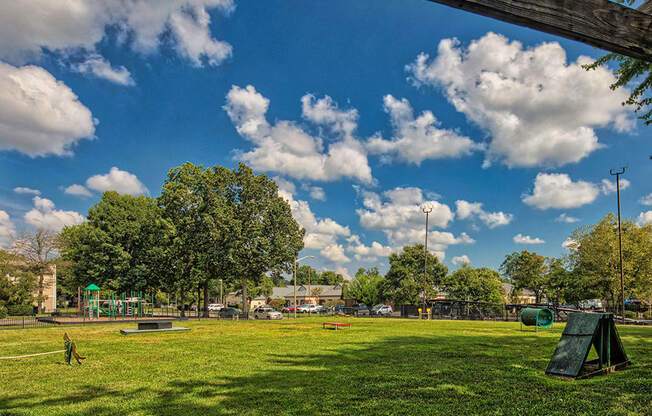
(456, 375)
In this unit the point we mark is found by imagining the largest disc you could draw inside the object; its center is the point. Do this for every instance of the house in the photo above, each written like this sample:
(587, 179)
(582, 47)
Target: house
(49, 303)
(315, 294)
(525, 297)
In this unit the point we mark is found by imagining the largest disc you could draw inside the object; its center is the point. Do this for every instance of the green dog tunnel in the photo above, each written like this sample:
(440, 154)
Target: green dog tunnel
(537, 317)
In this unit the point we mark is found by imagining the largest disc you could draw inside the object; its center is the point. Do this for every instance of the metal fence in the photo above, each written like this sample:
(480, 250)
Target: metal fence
(22, 322)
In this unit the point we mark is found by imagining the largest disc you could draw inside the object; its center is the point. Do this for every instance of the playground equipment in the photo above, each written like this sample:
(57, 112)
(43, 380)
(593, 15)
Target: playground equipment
(537, 317)
(582, 331)
(134, 306)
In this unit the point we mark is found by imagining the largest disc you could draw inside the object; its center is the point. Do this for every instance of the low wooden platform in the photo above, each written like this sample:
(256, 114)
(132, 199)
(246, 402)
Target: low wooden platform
(335, 325)
(145, 331)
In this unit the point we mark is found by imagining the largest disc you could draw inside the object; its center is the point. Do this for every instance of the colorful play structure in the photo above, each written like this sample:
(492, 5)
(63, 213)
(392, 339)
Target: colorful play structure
(116, 306)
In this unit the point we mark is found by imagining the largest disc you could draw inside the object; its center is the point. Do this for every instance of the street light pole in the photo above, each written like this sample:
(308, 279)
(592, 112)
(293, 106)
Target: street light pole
(309, 294)
(617, 174)
(295, 281)
(426, 210)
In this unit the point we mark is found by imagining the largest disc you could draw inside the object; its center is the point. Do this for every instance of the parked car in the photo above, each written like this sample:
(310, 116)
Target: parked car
(267, 312)
(360, 309)
(214, 307)
(381, 310)
(303, 308)
(288, 309)
(229, 313)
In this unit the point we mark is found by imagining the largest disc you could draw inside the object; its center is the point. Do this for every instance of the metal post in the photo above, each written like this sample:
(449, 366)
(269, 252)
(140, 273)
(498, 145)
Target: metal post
(617, 173)
(426, 210)
(221, 297)
(295, 288)
(309, 294)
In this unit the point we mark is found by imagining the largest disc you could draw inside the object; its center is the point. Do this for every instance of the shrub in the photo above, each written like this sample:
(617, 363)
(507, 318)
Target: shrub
(277, 304)
(20, 310)
(3, 312)
(630, 314)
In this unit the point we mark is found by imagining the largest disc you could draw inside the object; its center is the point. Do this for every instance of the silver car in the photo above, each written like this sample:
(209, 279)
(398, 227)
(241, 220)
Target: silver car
(267, 312)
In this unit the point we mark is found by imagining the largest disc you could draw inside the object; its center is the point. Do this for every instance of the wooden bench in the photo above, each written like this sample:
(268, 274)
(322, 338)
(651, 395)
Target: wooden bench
(335, 325)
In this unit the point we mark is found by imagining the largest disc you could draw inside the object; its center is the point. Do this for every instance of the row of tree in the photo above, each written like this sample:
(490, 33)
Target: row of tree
(208, 223)
(590, 270)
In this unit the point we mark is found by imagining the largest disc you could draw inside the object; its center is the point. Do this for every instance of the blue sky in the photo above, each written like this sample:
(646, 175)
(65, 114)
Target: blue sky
(500, 132)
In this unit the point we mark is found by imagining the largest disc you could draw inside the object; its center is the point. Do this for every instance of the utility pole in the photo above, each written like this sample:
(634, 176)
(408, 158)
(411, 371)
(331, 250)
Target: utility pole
(295, 282)
(617, 173)
(309, 294)
(427, 209)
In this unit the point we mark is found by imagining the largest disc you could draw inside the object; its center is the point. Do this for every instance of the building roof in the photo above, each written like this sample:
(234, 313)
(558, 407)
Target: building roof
(302, 290)
(92, 286)
(508, 289)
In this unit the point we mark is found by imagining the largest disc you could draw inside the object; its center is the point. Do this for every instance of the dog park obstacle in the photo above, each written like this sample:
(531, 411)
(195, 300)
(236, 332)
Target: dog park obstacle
(153, 326)
(335, 325)
(537, 317)
(582, 331)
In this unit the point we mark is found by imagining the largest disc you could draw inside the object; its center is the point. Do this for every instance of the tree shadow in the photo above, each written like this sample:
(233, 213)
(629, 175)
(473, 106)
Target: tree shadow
(447, 375)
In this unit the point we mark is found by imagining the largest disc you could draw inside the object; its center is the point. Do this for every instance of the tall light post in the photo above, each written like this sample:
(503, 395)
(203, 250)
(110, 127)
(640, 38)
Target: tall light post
(617, 173)
(295, 281)
(427, 209)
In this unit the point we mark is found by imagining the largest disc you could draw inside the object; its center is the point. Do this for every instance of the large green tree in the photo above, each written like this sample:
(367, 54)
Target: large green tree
(265, 236)
(404, 281)
(116, 247)
(366, 287)
(196, 201)
(594, 259)
(526, 270)
(471, 284)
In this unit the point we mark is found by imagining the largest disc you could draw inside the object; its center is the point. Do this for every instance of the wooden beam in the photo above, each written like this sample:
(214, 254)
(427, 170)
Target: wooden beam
(600, 23)
(646, 7)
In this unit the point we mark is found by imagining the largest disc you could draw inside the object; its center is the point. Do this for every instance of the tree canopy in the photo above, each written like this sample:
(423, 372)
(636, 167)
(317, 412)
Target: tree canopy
(481, 284)
(526, 270)
(366, 287)
(404, 281)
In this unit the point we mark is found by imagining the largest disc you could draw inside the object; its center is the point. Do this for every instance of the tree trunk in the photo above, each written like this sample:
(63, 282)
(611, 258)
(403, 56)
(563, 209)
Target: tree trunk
(205, 299)
(183, 304)
(244, 297)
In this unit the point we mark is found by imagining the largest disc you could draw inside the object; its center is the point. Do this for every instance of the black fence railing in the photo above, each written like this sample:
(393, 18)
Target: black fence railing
(21, 322)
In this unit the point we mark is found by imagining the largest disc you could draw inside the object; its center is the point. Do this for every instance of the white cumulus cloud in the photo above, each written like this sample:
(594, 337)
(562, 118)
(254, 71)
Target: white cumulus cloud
(608, 187)
(77, 190)
(459, 260)
(286, 148)
(39, 115)
(420, 138)
(317, 192)
(7, 230)
(557, 190)
(362, 252)
(646, 200)
(398, 214)
(644, 218)
(100, 68)
(474, 210)
(335, 253)
(24, 190)
(569, 244)
(117, 180)
(44, 215)
(29, 27)
(538, 109)
(526, 239)
(566, 218)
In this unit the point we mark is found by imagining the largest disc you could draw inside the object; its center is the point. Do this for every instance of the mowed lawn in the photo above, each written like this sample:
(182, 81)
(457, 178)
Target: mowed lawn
(377, 367)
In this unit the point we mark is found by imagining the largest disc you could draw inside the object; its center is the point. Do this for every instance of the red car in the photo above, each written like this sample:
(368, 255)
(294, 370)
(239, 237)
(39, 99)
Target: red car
(288, 309)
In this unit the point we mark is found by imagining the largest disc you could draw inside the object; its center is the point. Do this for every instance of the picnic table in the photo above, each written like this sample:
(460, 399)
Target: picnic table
(335, 325)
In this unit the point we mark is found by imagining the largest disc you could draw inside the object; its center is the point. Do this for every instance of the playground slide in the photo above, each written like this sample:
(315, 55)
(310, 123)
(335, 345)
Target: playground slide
(103, 311)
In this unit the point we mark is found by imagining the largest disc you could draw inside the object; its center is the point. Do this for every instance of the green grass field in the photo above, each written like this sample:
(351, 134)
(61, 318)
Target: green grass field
(378, 367)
